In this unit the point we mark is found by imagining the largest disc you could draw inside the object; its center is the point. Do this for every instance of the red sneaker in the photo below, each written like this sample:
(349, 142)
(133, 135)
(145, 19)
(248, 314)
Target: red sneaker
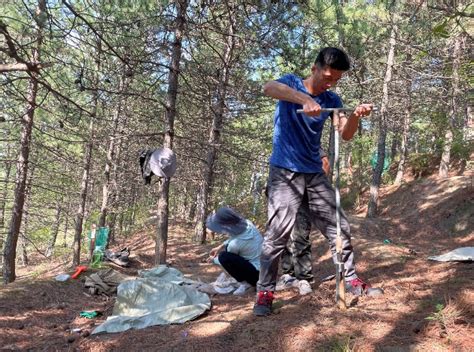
(263, 306)
(358, 288)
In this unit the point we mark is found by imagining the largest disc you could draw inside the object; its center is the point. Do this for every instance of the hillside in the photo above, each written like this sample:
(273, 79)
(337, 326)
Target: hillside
(427, 305)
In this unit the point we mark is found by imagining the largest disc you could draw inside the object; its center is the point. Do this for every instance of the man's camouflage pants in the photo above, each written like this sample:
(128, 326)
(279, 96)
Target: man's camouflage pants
(296, 258)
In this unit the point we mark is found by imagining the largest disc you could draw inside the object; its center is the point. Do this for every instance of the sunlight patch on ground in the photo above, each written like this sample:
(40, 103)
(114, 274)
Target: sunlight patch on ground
(466, 241)
(210, 328)
(324, 257)
(307, 338)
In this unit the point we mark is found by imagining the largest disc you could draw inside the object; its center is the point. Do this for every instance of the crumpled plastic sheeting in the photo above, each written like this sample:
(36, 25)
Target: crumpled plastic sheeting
(223, 285)
(154, 299)
(165, 273)
(462, 254)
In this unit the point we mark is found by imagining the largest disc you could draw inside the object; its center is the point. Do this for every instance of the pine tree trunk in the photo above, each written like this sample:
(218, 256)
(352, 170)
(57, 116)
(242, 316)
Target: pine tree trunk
(183, 203)
(405, 133)
(215, 134)
(86, 165)
(110, 157)
(26, 211)
(193, 204)
(83, 197)
(134, 206)
(394, 146)
(382, 125)
(3, 203)
(455, 93)
(114, 194)
(161, 244)
(256, 188)
(54, 230)
(9, 252)
(121, 221)
(23, 245)
(66, 228)
(111, 225)
(377, 173)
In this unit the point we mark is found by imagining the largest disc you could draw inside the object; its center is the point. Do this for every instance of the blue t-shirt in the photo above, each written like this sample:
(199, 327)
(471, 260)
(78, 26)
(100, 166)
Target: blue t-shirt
(297, 137)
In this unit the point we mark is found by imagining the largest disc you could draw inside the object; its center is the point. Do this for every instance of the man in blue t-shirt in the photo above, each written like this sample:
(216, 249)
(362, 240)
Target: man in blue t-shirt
(296, 168)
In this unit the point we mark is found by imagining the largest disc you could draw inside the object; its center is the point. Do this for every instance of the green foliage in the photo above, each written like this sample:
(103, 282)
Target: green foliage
(134, 7)
(420, 163)
(441, 30)
(438, 314)
(61, 252)
(41, 235)
(349, 200)
(361, 157)
(461, 149)
(341, 344)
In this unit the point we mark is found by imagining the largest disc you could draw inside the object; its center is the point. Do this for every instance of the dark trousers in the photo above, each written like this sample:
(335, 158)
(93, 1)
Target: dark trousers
(296, 258)
(285, 195)
(238, 267)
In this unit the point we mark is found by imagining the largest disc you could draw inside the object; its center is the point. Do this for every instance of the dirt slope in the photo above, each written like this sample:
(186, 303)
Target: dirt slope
(419, 219)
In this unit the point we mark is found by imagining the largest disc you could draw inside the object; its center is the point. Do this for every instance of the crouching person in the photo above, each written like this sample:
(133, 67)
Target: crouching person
(239, 255)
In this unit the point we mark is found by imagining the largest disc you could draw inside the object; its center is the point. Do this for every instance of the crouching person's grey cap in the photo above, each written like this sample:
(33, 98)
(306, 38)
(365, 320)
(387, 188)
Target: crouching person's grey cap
(163, 162)
(226, 221)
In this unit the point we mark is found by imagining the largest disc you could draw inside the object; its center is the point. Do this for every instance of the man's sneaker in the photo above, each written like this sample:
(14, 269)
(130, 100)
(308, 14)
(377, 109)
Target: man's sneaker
(304, 287)
(263, 306)
(242, 289)
(358, 288)
(286, 281)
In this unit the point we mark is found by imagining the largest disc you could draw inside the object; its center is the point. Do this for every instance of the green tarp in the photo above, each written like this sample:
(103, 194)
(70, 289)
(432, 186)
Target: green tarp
(158, 297)
(101, 237)
(386, 161)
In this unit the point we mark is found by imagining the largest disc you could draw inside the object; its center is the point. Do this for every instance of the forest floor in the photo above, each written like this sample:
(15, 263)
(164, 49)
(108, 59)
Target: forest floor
(427, 306)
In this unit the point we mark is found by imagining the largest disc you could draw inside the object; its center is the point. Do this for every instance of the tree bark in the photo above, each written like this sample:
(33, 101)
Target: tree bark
(24, 226)
(111, 225)
(114, 197)
(86, 164)
(54, 230)
(455, 93)
(121, 220)
(110, 157)
(83, 195)
(161, 243)
(405, 132)
(256, 181)
(32, 67)
(9, 253)
(66, 228)
(3, 203)
(23, 245)
(207, 181)
(394, 147)
(382, 125)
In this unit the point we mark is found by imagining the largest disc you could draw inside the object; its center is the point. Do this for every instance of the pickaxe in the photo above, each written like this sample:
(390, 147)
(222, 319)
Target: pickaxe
(79, 270)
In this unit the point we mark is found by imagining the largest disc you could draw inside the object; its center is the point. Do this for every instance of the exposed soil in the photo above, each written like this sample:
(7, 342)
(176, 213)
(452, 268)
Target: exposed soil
(427, 306)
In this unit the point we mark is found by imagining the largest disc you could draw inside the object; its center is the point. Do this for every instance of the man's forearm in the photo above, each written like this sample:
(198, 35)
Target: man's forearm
(281, 91)
(350, 127)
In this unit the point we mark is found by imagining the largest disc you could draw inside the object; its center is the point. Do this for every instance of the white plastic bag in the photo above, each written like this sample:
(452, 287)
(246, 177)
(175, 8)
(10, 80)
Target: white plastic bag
(62, 277)
(225, 284)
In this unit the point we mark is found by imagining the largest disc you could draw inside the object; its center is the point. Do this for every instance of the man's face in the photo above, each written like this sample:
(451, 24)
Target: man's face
(325, 78)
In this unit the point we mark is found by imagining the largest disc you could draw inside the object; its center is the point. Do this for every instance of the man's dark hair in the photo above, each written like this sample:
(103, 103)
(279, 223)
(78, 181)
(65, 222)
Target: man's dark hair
(334, 58)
